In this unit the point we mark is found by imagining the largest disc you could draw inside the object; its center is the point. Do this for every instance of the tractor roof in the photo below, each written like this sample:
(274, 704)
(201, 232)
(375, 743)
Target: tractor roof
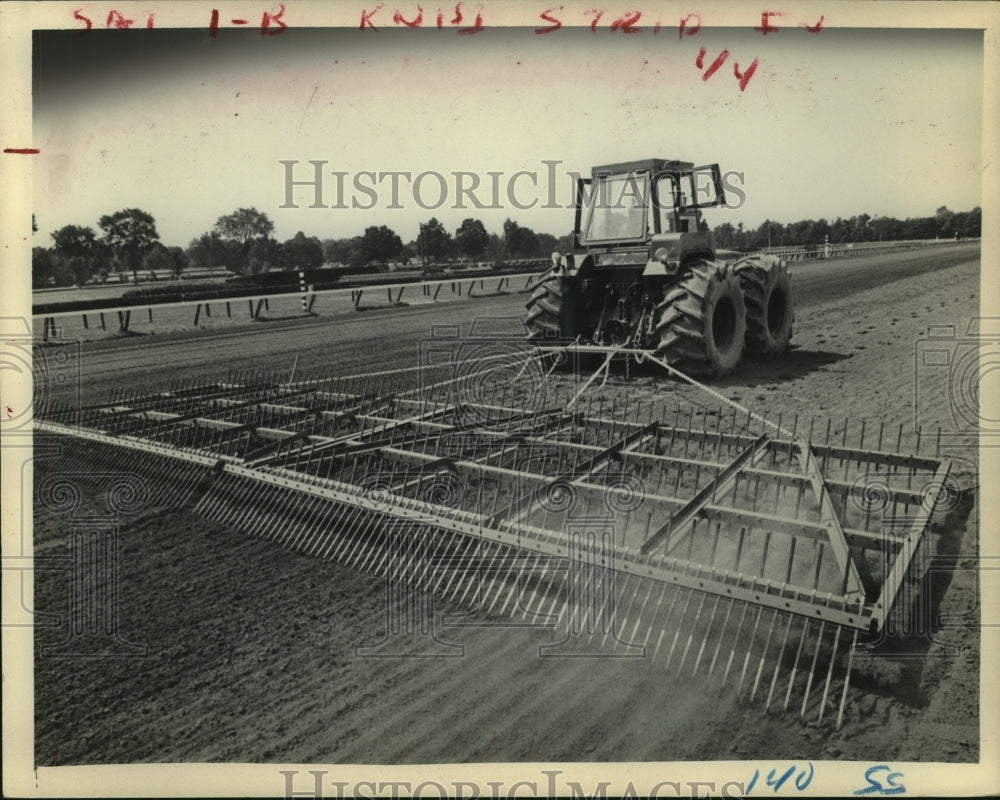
(653, 165)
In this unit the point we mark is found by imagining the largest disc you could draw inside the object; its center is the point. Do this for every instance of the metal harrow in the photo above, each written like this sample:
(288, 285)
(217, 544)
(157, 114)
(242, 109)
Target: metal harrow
(717, 544)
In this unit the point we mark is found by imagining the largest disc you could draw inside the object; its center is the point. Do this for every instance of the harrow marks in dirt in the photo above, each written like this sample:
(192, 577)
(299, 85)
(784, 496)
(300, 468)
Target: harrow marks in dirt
(743, 552)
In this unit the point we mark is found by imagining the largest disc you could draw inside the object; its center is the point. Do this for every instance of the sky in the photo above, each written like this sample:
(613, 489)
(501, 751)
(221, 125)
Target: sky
(189, 127)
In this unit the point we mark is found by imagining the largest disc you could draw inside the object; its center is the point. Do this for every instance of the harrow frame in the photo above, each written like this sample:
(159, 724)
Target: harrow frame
(774, 525)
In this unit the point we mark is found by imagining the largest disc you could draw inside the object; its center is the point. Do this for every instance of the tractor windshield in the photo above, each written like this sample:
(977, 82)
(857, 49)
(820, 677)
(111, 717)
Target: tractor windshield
(617, 208)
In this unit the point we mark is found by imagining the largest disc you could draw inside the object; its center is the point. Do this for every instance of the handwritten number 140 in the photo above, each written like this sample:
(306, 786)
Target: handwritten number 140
(776, 780)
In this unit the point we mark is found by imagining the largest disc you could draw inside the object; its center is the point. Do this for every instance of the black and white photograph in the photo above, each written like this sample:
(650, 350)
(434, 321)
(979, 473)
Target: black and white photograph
(499, 399)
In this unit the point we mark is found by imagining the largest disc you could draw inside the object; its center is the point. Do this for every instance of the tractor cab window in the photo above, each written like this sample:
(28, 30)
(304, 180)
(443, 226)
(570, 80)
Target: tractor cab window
(675, 196)
(617, 208)
(678, 223)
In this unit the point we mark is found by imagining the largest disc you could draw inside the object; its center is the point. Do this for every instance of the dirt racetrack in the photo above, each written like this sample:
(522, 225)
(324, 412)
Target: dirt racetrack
(250, 650)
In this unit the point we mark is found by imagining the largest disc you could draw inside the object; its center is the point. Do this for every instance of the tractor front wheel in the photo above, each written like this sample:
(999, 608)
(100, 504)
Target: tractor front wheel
(545, 308)
(702, 321)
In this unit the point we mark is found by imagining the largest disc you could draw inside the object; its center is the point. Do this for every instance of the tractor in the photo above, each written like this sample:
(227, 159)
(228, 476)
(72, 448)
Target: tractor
(643, 275)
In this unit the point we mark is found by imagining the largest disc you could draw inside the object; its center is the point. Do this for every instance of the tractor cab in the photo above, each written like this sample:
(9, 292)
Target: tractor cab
(632, 202)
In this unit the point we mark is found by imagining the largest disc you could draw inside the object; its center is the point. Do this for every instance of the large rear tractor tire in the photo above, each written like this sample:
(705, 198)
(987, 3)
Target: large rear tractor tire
(767, 294)
(702, 321)
(545, 308)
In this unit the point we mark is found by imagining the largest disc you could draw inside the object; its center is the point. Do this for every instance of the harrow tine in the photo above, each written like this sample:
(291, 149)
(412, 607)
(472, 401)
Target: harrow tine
(847, 679)
(460, 575)
(746, 658)
(610, 616)
(763, 654)
(795, 666)
(829, 674)
(498, 583)
(453, 573)
(690, 638)
(472, 575)
(708, 630)
(678, 627)
(562, 600)
(341, 534)
(383, 567)
(485, 576)
(812, 669)
(670, 612)
(321, 530)
(777, 664)
(449, 545)
(641, 612)
(515, 584)
(370, 548)
(736, 640)
(718, 641)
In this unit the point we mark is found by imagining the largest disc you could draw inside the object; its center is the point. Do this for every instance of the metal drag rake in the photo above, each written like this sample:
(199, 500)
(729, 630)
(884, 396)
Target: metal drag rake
(716, 544)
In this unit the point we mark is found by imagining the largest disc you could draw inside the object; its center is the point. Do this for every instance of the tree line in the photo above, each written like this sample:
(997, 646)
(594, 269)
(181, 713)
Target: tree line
(242, 242)
(945, 224)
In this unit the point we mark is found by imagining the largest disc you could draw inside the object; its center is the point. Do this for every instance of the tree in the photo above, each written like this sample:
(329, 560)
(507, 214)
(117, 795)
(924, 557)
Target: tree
(74, 240)
(972, 223)
(166, 259)
(244, 226)
(861, 231)
(179, 259)
(547, 244)
(158, 259)
(41, 269)
(130, 234)
(494, 250)
(471, 238)
(380, 244)
(519, 242)
(76, 246)
(434, 241)
(407, 254)
(945, 221)
(355, 252)
(211, 250)
(304, 252)
(725, 235)
(335, 250)
(266, 254)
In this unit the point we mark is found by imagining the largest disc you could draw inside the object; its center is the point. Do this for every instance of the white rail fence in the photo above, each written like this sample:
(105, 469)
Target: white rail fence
(257, 306)
(851, 249)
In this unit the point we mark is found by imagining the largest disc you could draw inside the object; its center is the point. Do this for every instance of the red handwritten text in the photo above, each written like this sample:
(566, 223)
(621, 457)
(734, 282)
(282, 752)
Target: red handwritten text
(368, 19)
(271, 22)
(267, 20)
(691, 29)
(765, 26)
(626, 23)
(547, 16)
